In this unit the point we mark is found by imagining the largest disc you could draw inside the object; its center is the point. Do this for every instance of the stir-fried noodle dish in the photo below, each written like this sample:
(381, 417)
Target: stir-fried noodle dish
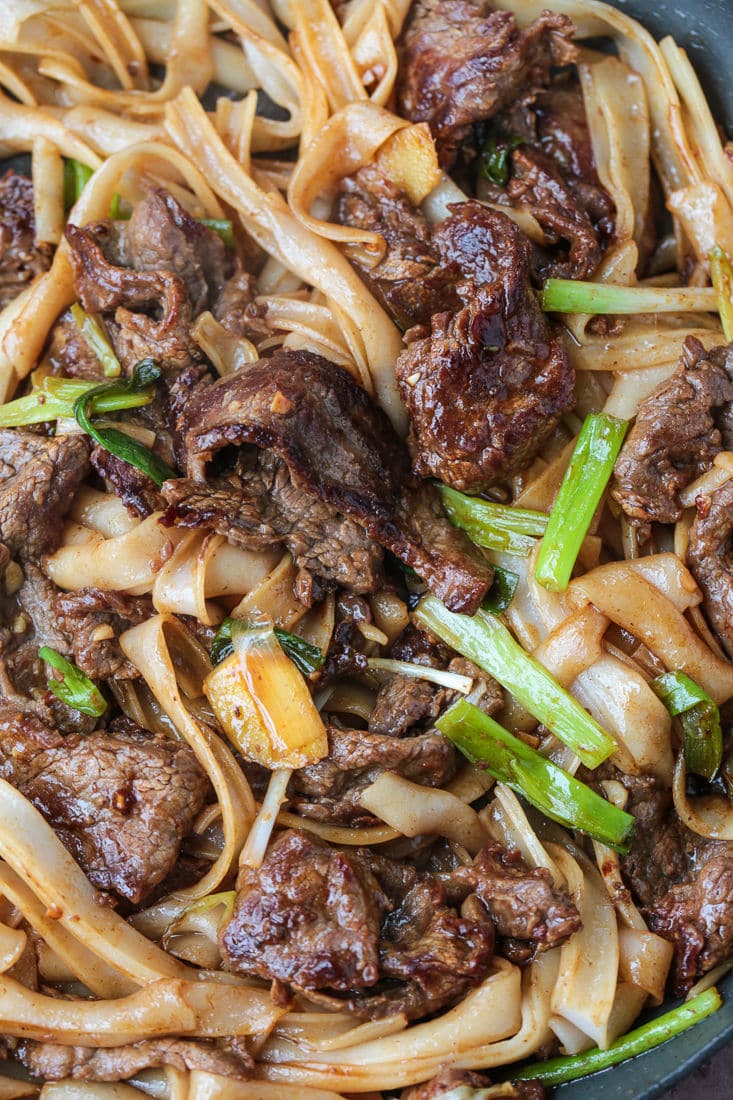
(366, 547)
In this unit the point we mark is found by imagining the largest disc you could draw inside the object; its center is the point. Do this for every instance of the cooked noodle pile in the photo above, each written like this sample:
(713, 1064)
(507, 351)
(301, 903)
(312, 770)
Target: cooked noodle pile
(365, 545)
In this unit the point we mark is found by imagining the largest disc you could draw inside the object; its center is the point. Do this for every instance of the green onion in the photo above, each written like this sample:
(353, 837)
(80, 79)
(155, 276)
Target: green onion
(95, 334)
(494, 526)
(307, 658)
(582, 487)
(76, 689)
(486, 641)
(116, 442)
(494, 158)
(76, 177)
(638, 1041)
(700, 720)
(722, 274)
(553, 791)
(55, 398)
(224, 228)
(574, 296)
(501, 593)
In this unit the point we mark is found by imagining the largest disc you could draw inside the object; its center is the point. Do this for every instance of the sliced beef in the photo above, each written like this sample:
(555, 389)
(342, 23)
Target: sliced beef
(38, 479)
(675, 437)
(410, 280)
(94, 620)
(487, 385)
(135, 489)
(309, 916)
(53, 1062)
(21, 257)
(524, 904)
(150, 313)
(70, 354)
(683, 882)
(402, 703)
(329, 922)
(120, 801)
(330, 789)
(710, 557)
(345, 465)
(462, 62)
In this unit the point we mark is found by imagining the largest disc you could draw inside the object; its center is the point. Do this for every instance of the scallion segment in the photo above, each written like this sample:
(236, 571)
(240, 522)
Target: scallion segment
(700, 720)
(574, 296)
(553, 791)
(494, 526)
(224, 228)
(55, 398)
(502, 590)
(485, 640)
(75, 689)
(638, 1041)
(582, 487)
(96, 336)
(307, 658)
(494, 157)
(721, 271)
(76, 177)
(146, 373)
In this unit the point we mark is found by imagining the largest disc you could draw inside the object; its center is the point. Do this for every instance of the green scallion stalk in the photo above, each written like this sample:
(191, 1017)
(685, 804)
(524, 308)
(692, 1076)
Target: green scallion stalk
(494, 526)
(96, 336)
(700, 720)
(721, 271)
(76, 177)
(638, 1041)
(553, 791)
(574, 296)
(224, 228)
(75, 689)
(55, 398)
(485, 640)
(146, 373)
(307, 658)
(502, 590)
(582, 487)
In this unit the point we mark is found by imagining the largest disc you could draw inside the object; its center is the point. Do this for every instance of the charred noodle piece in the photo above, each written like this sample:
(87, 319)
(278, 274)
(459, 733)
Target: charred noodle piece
(21, 259)
(676, 435)
(486, 385)
(710, 557)
(461, 63)
(120, 801)
(341, 452)
(38, 479)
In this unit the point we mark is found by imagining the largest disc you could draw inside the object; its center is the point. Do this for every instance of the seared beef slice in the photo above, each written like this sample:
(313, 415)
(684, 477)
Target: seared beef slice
(120, 801)
(330, 479)
(21, 258)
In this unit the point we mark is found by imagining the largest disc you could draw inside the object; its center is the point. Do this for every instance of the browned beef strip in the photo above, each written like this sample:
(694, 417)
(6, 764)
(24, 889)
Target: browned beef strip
(120, 801)
(135, 489)
(38, 479)
(461, 63)
(410, 280)
(328, 922)
(448, 1081)
(683, 882)
(53, 1062)
(70, 354)
(404, 702)
(340, 452)
(330, 789)
(309, 916)
(486, 386)
(94, 620)
(132, 299)
(710, 558)
(21, 258)
(675, 437)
